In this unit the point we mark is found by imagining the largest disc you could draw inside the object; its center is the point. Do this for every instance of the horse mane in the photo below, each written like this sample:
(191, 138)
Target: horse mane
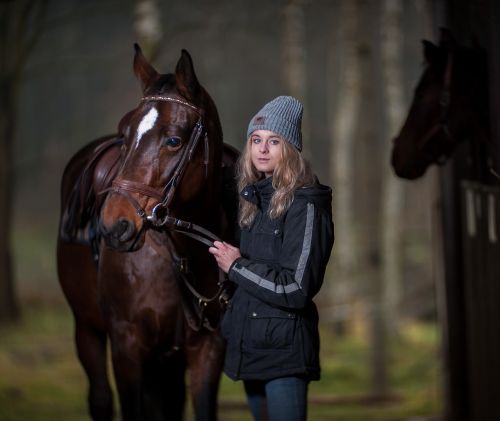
(81, 203)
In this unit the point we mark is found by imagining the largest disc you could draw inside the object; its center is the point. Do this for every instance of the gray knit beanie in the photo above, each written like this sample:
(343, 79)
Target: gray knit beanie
(283, 116)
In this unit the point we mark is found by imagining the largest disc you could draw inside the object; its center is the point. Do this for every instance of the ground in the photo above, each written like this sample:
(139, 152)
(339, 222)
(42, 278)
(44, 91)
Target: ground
(41, 379)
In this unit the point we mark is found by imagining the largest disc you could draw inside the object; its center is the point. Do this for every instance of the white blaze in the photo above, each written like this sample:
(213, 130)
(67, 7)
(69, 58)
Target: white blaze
(147, 123)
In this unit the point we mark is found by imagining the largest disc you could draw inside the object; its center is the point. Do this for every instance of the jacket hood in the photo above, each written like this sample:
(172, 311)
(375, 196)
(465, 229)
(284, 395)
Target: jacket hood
(319, 194)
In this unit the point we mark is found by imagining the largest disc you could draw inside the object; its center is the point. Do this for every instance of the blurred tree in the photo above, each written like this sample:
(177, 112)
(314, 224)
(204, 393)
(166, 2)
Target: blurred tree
(147, 26)
(387, 219)
(344, 99)
(295, 57)
(370, 160)
(21, 24)
(392, 188)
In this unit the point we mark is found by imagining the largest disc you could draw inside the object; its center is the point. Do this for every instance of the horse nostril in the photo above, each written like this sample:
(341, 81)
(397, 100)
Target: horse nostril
(123, 230)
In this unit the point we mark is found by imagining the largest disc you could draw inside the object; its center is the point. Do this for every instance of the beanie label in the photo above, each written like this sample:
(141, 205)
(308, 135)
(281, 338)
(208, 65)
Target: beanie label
(259, 120)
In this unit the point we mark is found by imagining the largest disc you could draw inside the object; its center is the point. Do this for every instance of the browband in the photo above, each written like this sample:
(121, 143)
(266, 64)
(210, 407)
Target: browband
(171, 99)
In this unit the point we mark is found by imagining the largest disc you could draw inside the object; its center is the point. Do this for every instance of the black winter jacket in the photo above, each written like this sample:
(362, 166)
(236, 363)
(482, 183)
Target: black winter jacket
(271, 323)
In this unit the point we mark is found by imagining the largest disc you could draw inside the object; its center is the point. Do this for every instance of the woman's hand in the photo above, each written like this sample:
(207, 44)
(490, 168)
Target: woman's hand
(225, 254)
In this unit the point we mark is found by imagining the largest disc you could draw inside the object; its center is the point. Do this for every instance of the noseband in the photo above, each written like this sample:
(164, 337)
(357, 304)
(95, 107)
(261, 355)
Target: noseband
(444, 102)
(159, 216)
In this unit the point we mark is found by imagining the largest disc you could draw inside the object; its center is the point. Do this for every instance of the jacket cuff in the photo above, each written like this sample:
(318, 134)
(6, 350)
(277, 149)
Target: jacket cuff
(238, 263)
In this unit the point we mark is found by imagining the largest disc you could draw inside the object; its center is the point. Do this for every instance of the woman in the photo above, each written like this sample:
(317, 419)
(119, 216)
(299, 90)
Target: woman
(271, 323)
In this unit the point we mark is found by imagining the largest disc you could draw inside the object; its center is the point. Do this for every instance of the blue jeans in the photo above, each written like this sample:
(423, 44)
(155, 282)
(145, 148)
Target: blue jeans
(282, 399)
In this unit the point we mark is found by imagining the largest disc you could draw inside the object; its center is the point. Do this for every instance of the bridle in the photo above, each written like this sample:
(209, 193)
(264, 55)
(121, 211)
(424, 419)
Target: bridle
(442, 124)
(159, 216)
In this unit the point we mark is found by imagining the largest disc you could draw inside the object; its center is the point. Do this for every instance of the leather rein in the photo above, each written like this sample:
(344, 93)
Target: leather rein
(442, 123)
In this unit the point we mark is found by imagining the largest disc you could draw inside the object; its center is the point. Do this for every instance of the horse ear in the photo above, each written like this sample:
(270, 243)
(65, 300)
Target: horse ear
(431, 51)
(187, 83)
(143, 70)
(446, 39)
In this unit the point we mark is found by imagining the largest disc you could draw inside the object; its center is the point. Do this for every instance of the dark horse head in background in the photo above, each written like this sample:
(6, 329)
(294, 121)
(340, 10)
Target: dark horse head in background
(155, 292)
(450, 105)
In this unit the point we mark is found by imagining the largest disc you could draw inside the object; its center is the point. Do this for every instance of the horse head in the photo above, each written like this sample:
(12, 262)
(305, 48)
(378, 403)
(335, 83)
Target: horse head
(171, 155)
(448, 106)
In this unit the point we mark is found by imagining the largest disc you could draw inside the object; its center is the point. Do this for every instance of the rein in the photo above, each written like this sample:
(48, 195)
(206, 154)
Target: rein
(184, 273)
(444, 102)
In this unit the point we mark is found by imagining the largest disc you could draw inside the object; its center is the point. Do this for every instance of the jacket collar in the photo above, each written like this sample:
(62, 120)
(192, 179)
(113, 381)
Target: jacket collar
(260, 192)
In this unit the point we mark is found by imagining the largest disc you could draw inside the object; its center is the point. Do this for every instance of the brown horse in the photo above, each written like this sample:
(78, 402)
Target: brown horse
(450, 105)
(153, 289)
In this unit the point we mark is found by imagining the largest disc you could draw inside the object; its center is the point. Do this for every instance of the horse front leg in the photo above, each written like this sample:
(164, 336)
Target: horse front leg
(128, 370)
(91, 348)
(205, 361)
(150, 388)
(164, 388)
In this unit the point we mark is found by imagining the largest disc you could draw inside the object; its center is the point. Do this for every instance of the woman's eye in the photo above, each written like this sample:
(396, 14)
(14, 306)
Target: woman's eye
(274, 141)
(256, 140)
(173, 142)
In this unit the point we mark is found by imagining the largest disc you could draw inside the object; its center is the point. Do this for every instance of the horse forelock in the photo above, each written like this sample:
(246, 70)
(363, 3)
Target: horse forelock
(163, 85)
(166, 84)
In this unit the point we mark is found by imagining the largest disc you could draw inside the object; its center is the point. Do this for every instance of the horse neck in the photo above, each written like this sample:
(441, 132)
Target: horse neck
(205, 208)
(202, 210)
(474, 83)
(211, 196)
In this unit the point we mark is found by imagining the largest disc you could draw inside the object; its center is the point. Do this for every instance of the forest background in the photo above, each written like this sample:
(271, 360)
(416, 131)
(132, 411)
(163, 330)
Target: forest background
(67, 78)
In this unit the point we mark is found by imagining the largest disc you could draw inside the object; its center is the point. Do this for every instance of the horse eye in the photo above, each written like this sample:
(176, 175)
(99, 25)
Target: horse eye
(173, 141)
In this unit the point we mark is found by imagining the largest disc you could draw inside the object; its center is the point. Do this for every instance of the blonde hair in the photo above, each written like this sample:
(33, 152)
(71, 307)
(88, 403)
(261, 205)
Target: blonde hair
(291, 173)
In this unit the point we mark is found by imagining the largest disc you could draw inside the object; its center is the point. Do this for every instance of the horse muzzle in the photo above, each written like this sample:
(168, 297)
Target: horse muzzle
(406, 162)
(122, 235)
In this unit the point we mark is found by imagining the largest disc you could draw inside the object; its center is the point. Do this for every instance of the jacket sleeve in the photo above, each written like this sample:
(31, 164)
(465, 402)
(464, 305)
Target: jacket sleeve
(307, 242)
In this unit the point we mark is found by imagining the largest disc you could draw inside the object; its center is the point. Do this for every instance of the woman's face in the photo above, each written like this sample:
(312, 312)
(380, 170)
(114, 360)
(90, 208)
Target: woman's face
(265, 150)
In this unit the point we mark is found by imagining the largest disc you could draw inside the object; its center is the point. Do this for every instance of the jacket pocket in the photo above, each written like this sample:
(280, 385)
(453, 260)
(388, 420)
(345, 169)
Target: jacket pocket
(267, 242)
(271, 329)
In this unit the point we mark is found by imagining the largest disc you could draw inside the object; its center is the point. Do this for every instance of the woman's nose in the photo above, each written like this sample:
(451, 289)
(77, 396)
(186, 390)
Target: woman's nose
(263, 147)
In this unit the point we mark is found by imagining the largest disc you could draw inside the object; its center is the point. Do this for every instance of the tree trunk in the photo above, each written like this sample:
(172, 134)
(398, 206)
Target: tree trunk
(147, 25)
(295, 58)
(344, 99)
(392, 188)
(387, 279)
(9, 309)
(21, 24)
